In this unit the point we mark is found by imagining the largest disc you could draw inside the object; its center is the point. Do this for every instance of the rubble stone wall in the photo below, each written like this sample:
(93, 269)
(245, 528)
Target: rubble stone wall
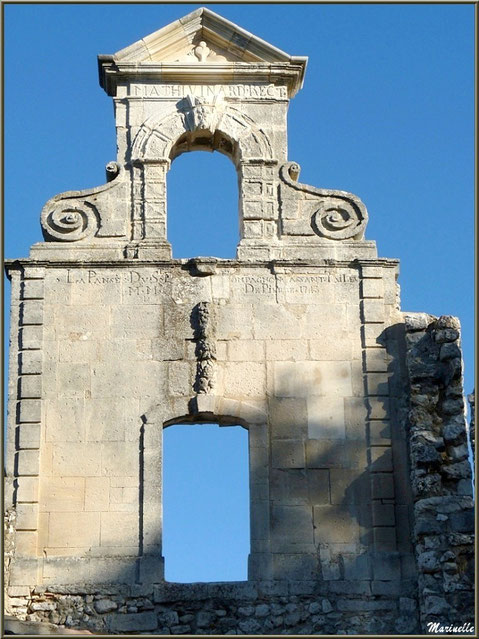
(241, 608)
(440, 471)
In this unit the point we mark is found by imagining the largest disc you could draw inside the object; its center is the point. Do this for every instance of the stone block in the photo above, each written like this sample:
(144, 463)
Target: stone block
(372, 311)
(24, 572)
(355, 417)
(381, 459)
(375, 360)
(73, 380)
(29, 436)
(373, 335)
(291, 525)
(34, 273)
(30, 410)
(81, 321)
(30, 337)
(235, 321)
(289, 486)
(334, 524)
(30, 362)
(31, 312)
(356, 567)
(65, 420)
(30, 387)
(326, 417)
(180, 378)
(78, 351)
(83, 570)
(291, 566)
(384, 538)
(288, 454)
(246, 351)
(97, 493)
(361, 605)
(462, 522)
(62, 494)
(380, 432)
(383, 514)
(119, 529)
(349, 486)
(26, 544)
(386, 566)
(27, 489)
(378, 407)
(136, 379)
(118, 458)
(335, 454)
(377, 384)
(373, 288)
(288, 417)
(387, 588)
(245, 379)
(372, 272)
(27, 517)
(330, 565)
(318, 486)
(336, 345)
(350, 587)
(32, 290)
(382, 486)
(73, 530)
(304, 379)
(28, 462)
(76, 460)
(142, 320)
(286, 350)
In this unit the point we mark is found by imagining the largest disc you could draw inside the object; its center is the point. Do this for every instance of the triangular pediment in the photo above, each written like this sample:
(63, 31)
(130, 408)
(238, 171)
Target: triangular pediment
(201, 37)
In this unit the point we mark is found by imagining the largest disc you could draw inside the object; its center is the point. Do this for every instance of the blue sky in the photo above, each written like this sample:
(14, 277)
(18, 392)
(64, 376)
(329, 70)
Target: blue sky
(386, 112)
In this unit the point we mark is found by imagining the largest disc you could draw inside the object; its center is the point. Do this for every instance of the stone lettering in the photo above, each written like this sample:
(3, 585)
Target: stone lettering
(242, 91)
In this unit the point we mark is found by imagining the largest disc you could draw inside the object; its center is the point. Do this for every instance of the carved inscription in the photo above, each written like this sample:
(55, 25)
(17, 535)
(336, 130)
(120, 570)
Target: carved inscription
(154, 285)
(134, 285)
(240, 91)
(290, 284)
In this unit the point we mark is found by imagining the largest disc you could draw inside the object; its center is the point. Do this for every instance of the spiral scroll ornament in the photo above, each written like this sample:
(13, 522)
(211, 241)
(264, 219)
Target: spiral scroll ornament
(338, 219)
(69, 221)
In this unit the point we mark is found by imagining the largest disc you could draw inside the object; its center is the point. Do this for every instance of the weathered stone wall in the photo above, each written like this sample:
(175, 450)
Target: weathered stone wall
(440, 471)
(241, 608)
(357, 441)
(472, 424)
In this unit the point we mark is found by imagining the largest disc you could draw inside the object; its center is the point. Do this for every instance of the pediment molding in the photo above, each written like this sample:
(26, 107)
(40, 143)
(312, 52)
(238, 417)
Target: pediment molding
(203, 46)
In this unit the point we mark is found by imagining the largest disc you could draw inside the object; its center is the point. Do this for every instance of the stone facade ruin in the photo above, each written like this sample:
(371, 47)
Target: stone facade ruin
(360, 484)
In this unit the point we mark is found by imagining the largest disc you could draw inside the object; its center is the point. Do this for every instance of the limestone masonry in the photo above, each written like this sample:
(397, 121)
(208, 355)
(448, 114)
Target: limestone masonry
(360, 483)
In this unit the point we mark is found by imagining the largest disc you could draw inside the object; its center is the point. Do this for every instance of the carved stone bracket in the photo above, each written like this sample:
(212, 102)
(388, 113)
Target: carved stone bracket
(76, 215)
(336, 215)
(203, 322)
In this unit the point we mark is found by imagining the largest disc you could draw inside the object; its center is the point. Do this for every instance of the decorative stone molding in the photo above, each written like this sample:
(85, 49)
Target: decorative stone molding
(79, 215)
(335, 215)
(203, 321)
(203, 114)
(159, 134)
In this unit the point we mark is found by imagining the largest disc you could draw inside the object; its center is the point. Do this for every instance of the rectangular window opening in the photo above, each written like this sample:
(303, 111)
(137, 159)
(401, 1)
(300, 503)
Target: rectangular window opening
(206, 503)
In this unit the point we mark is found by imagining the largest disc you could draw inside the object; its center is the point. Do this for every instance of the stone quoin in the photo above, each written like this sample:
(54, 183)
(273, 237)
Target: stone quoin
(360, 486)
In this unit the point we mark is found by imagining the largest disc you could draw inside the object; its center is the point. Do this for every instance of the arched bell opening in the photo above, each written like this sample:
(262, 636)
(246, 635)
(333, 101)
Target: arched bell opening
(203, 196)
(204, 140)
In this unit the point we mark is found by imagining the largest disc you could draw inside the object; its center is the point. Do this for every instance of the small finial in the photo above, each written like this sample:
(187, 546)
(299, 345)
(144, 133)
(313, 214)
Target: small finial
(202, 51)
